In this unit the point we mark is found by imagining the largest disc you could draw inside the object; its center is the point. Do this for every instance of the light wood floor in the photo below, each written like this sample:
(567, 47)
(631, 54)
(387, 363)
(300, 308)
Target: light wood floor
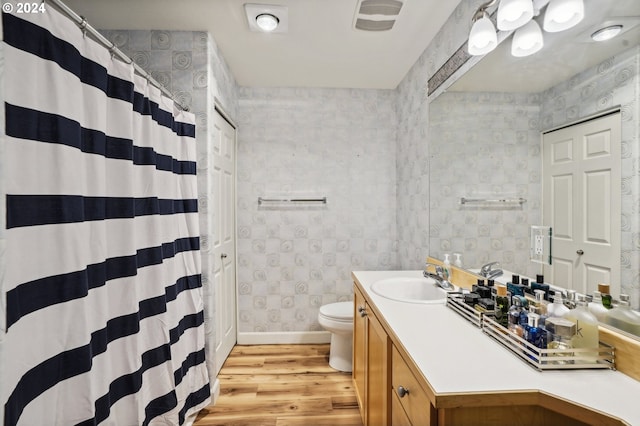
(282, 385)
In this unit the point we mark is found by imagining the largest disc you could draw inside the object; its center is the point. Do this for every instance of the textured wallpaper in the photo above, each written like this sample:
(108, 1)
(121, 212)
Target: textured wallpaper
(484, 145)
(334, 143)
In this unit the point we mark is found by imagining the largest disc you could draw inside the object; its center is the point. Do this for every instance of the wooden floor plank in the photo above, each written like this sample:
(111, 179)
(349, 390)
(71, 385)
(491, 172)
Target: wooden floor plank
(282, 385)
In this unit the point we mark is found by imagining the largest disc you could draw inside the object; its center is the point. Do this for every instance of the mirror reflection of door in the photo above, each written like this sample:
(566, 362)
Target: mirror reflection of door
(581, 202)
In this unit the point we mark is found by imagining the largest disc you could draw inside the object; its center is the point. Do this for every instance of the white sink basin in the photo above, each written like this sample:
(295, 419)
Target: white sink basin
(411, 290)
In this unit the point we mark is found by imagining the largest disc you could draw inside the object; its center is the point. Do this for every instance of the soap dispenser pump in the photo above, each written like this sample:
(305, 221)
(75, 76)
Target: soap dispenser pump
(446, 267)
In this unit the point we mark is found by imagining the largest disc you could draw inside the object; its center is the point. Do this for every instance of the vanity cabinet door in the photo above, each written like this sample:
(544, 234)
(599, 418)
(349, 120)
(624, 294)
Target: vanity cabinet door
(378, 357)
(410, 395)
(359, 349)
(371, 358)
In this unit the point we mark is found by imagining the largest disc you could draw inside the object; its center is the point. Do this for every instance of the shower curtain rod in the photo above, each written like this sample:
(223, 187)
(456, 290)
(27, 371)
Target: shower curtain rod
(84, 25)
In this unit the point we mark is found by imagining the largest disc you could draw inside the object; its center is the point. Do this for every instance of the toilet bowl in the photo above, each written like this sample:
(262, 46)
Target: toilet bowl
(337, 318)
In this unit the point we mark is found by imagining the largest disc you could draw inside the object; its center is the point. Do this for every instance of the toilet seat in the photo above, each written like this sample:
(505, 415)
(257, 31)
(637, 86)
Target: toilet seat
(340, 311)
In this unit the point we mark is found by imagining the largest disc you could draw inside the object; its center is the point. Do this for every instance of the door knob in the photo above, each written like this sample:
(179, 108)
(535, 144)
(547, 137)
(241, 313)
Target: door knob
(580, 252)
(402, 391)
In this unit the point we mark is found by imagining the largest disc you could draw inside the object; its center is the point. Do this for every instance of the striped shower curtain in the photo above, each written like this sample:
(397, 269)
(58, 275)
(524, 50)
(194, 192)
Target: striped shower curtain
(102, 312)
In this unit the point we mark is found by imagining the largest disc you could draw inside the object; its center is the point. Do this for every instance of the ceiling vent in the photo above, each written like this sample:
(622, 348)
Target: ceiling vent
(376, 15)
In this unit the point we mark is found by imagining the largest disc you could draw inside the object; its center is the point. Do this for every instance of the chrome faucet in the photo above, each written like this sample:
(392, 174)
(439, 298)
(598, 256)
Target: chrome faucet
(440, 275)
(491, 270)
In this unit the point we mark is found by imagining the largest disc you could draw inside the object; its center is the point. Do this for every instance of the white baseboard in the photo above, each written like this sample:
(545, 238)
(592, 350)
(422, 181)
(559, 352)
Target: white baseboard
(215, 391)
(284, 338)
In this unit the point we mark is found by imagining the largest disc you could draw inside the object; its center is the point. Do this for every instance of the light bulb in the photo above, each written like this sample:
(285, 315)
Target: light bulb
(267, 22)
(482, 38)
(513, 14)
(563, 14)
(527, 40)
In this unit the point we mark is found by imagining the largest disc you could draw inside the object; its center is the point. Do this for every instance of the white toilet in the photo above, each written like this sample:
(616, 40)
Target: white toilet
(337, 318)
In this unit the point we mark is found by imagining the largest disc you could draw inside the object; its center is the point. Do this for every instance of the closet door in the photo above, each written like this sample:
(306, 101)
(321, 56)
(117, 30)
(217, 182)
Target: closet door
(223, 153)
(581, 185)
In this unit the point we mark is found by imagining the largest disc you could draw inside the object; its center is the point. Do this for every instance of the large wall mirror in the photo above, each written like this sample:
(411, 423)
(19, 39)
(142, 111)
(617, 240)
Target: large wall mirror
(486, 132)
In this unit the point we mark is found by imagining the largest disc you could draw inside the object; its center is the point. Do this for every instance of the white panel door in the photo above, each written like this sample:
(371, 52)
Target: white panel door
(223, 247)
(581, 186)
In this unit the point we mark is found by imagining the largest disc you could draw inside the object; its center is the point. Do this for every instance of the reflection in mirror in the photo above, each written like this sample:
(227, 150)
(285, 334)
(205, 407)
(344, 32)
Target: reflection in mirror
(486, 130)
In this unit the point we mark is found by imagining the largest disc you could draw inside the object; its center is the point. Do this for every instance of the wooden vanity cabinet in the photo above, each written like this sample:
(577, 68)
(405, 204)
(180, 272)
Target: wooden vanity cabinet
(383, 373)
(371, 357)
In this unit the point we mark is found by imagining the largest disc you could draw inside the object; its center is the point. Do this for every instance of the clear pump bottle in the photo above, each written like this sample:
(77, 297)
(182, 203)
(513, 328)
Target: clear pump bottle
(446, 266)
(557, 308)
(458, 259)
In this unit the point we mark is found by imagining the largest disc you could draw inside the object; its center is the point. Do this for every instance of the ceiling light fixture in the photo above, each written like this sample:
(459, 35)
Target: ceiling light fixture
(267, 22)
(607, 33)
(267, 18)
(518, 16)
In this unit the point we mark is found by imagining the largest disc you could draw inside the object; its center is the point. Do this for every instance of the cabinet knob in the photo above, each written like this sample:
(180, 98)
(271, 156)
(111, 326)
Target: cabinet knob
(362, 311)
(402, 391)
(580, 252)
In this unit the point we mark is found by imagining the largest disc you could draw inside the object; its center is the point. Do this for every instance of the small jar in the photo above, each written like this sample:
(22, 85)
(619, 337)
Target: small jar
(562, 331)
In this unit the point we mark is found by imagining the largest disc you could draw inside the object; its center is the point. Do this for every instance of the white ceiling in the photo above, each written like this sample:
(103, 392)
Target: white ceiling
(321, 48)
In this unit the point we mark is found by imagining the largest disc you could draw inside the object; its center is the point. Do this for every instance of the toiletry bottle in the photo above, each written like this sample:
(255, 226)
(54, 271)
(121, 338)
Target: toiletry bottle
(458, 260)
(485, 305)
(541, 306)
(557, 308)
(514, 317)
(596, 307)
(446, 267)
(514, 287)
(605, 295)
(481, 289)
(535, 335)
(524, 282)
(502, 306)
(524, 312)
(562, 331)
(539, 284)
(623, 317)
(586, 329)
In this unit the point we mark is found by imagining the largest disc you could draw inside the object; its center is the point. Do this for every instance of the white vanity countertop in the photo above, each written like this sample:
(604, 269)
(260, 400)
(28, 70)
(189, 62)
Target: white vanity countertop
(444, 346)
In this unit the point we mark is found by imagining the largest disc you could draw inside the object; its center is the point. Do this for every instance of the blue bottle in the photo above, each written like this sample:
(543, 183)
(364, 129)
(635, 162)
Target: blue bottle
(514, 287)
(535, 335)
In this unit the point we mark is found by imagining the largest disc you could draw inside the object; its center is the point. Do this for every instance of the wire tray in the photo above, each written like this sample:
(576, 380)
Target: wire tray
(550, 359)
(455, 301)
(540, 359)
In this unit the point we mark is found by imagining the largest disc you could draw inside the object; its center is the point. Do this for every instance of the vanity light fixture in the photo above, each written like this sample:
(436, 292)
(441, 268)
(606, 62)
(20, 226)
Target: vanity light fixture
(519, 16)
(482, 38)
(527, 40)
(606, 33)
(513, 14)
(562, 15)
